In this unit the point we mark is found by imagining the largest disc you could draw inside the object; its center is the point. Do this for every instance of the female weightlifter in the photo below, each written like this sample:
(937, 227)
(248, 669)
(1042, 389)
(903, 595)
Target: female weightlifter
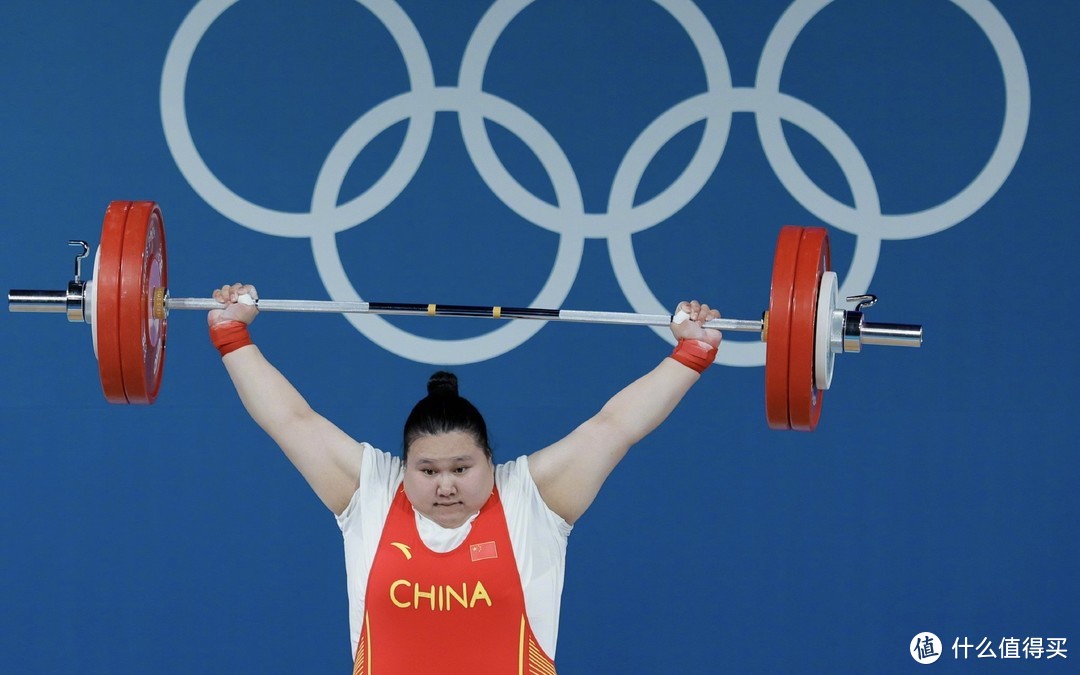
(452, 559)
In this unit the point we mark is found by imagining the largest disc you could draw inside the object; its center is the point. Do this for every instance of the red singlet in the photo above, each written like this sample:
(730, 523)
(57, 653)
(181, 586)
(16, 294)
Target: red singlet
(462, 611)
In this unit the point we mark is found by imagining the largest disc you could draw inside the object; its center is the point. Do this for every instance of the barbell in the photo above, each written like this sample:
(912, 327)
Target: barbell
(127, 304)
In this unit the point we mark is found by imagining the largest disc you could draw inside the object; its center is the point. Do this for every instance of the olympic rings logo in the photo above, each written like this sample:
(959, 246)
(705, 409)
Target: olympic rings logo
(473, 106)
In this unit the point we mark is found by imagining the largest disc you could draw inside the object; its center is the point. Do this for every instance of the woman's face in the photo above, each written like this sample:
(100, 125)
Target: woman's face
(448, 477)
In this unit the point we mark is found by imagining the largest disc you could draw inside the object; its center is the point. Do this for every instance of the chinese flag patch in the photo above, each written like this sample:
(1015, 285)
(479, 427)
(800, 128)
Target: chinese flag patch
(483, 551)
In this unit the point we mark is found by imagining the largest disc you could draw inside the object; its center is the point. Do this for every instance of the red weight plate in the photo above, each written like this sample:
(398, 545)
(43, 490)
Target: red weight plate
(107, 290)
(776, 345)
(804, 398)
(143, 268)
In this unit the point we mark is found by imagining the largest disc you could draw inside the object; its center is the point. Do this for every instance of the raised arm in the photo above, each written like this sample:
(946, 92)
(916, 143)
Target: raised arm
(325, 455)
(569, 473)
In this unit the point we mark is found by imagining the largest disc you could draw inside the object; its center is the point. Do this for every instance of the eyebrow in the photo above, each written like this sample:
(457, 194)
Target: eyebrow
(452, 460)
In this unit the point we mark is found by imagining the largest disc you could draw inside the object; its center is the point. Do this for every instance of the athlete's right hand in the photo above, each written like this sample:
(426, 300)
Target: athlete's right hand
(239, 301)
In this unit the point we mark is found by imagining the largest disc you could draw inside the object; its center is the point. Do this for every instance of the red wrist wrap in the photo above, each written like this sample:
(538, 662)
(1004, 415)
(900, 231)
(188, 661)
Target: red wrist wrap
(228, 336)
(694, 354)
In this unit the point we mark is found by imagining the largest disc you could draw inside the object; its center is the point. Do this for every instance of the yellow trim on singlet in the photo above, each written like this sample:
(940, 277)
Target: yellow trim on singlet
(367, 629)
(521, 647)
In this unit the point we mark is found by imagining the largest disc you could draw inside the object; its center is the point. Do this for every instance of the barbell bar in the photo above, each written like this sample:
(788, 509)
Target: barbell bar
(127, 304)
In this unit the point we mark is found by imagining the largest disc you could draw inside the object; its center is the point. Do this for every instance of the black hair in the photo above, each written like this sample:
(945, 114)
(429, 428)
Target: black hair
(443, 411)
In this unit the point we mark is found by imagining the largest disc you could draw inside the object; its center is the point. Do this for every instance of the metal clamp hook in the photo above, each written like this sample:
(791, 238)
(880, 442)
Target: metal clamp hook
(863, 301)
(79, 257)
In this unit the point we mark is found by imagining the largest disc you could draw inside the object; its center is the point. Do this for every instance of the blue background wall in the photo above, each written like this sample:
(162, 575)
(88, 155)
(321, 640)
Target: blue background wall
(938, 494)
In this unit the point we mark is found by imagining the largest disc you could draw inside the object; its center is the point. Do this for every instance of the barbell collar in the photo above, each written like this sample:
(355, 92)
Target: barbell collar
(74, 304)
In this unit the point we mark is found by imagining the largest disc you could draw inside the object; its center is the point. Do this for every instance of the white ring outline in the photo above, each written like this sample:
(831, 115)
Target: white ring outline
(921, 223)
(595, 225)
(206, 184)
(855, 170)
(455, 351)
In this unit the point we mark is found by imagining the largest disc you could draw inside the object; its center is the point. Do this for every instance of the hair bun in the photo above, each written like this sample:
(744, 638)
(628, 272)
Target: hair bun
(442, 383)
